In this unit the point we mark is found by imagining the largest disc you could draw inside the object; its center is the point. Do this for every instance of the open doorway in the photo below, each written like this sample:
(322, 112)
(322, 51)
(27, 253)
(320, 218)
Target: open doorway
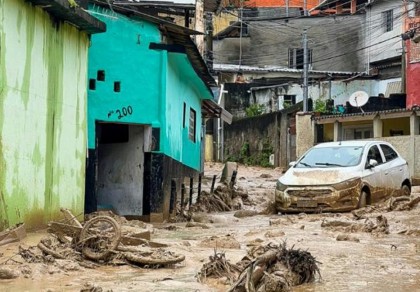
(120, 168)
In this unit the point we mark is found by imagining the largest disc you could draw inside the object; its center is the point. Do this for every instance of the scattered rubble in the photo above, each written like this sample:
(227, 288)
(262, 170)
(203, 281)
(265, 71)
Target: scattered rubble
(8, 273)
(380, 226)
(221, 242)
(274, 268)
(219, 267)
(103, 239)
(347, 237)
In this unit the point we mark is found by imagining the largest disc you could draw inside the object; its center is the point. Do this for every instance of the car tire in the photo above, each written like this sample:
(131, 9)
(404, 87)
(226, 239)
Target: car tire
(362, 200)
(405, 190)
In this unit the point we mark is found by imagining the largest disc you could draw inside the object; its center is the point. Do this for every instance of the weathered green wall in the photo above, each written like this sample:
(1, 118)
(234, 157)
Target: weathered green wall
(43, 69)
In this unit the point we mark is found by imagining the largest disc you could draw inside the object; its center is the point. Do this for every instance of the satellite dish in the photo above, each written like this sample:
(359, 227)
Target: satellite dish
(358, 99)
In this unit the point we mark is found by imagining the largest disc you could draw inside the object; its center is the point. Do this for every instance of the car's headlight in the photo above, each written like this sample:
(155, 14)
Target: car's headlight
(280, 187)
(346, 184)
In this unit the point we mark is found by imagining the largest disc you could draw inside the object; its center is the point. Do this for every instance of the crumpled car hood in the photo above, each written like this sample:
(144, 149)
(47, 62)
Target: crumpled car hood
(318, 176)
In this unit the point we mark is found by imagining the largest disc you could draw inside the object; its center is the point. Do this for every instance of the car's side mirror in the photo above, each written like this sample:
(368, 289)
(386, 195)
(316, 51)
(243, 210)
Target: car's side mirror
(372, 163)
(293, 163)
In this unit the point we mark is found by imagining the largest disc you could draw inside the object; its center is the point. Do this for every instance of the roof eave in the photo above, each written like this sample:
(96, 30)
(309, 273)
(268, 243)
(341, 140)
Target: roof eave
(76, 16)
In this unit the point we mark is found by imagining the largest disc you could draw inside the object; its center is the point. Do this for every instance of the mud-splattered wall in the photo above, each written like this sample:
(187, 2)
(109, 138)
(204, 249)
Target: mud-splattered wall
(253, 140)
(43, 69)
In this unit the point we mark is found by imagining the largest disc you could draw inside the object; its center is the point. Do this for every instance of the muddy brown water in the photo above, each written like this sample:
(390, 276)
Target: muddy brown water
(383, 262)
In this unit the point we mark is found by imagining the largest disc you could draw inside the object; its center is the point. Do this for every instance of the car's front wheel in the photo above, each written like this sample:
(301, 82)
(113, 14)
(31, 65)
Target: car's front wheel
(405, 190)
(362, 200)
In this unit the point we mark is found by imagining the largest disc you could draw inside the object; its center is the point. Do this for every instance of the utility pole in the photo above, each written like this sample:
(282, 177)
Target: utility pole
(305, 71)
(305, 8)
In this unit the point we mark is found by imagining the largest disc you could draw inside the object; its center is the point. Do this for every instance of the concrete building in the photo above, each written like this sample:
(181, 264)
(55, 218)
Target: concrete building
(43, 122)
(149, 94)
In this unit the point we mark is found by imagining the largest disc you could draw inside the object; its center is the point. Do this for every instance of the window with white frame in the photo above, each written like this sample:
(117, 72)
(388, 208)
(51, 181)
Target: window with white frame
(388, 20)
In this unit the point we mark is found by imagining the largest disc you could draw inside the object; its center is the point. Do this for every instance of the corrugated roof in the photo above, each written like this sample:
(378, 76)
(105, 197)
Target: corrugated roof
(209, 5)
(237, 68)
(399, 110)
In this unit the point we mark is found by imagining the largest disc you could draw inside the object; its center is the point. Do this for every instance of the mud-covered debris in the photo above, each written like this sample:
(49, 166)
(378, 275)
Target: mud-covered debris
(245, 213)
(379, 226)
(91, 287)
(219, 267)
(8, 273)
(220, 242)
(266, 175)
(31, 254)
(274, 233)
(277, 269)
(170, 227)
(347, 237)
(284, 220)
(154, 258)
(362, 212)
(195, 224)
(224, 198)
(403, 203)
(13, 234)
(51, 246)
(414, 232)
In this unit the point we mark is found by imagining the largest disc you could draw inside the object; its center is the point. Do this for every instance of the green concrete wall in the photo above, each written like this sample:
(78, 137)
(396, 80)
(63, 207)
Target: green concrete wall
(43, 69)
(154, 83)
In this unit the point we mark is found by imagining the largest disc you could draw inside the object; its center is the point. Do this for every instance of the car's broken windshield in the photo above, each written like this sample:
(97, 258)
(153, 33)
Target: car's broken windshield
(334, 156)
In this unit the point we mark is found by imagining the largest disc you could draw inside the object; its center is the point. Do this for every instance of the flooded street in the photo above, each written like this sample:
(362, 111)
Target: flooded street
(363, 261)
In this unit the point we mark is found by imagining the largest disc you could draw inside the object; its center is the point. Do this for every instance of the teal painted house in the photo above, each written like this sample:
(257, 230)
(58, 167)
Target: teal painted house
(149, 92)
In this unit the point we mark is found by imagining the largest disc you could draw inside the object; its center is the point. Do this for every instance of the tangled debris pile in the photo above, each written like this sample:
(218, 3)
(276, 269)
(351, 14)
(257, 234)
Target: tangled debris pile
(103, 239)
(265, 268)
(224, 198)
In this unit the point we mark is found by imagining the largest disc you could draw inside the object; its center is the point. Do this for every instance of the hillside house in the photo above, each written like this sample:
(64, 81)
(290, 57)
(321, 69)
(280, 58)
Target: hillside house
(149, 95)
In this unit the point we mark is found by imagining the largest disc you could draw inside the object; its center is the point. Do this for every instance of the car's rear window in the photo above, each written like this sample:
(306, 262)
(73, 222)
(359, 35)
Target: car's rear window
(337, 156)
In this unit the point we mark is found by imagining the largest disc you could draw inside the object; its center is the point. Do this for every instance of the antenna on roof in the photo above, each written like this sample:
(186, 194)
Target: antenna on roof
(358, 99)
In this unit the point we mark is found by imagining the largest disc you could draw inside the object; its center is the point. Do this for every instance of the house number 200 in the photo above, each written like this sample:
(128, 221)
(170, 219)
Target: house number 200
(124, 112)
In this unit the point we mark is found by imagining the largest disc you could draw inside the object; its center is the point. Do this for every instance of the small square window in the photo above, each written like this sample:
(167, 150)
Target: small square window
(101, 75)
(92, 84)
(117, 86)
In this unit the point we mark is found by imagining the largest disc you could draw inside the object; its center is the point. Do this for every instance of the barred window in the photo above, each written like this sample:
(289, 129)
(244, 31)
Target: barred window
(388, 19)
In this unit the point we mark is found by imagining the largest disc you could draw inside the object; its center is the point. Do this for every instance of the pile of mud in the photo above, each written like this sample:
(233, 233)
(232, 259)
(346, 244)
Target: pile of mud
(266, 268)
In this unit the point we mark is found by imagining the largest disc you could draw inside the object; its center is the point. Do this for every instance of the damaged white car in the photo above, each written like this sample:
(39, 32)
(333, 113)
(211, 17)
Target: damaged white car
(342, 176)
